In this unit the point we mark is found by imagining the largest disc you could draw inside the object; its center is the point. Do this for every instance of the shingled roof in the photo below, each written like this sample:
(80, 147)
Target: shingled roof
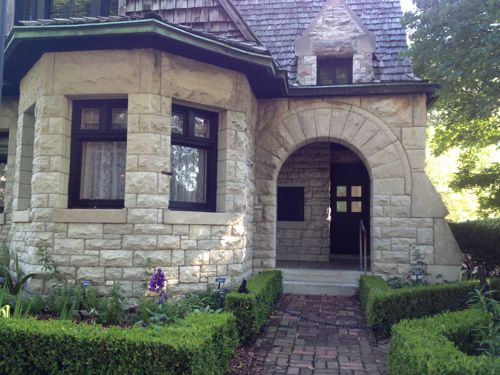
(277, 23)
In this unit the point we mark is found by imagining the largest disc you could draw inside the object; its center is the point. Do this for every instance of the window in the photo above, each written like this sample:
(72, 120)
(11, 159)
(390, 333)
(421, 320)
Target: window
(4, 148)
(334, 70)
(98, 154)
(349, 199)
(36, 9)
(290, 204)
(194, 159)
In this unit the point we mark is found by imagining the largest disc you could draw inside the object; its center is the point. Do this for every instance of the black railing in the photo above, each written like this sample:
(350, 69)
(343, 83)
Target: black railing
(362, 246)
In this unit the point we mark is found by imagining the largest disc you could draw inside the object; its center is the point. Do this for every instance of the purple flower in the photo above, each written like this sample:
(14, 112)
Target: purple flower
(157, 285)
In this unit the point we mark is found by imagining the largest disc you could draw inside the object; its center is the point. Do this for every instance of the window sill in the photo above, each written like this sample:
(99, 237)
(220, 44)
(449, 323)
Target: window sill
(199, 218)
(93, 215)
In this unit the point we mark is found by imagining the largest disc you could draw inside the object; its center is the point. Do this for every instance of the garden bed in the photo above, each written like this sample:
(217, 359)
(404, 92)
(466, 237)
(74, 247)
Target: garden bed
(439, 345)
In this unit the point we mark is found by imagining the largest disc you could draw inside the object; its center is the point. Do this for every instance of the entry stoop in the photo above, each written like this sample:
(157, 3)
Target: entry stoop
(320, 281)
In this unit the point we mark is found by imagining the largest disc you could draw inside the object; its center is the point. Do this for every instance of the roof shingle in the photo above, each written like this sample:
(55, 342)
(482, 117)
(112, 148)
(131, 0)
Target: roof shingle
(278, 23)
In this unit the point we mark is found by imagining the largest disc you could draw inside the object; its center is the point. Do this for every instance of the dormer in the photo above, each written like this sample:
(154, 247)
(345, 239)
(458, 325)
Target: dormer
(335, 49)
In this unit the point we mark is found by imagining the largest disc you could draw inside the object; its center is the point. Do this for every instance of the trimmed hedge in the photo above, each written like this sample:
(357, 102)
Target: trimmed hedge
(384, 306)
(200, 344)
(438, 345)
(254, 308)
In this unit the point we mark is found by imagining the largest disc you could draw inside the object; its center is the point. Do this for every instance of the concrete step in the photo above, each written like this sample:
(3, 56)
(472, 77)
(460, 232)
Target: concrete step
(320, 281)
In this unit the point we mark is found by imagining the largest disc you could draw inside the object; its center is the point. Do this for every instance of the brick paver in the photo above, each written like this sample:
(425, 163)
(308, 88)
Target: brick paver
(291, 345)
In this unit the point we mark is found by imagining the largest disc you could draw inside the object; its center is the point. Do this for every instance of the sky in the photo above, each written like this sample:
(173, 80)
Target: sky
(407, 5)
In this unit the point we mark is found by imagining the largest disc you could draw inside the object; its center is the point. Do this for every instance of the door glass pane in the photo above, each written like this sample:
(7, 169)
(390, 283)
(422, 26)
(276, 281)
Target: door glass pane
(356, 191)
(356, 206)
(90, 119)
(178, 123)
(341, 206)
(341, 191)
(201, 127)
(119, 118)
(189, 168)
(103, 170)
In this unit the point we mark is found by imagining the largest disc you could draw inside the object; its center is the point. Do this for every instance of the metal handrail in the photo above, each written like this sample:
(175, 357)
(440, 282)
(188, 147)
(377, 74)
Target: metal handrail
(362, 246)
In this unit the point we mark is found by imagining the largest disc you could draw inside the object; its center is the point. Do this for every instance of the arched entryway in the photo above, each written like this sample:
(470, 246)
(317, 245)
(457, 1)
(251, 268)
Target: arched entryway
(323, 201)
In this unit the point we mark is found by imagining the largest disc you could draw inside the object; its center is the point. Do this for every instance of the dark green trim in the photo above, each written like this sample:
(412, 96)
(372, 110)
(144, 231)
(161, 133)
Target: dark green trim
(26, 44)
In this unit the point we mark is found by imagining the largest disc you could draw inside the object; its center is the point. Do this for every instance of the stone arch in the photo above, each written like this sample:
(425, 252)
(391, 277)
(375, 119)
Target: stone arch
(281, 135)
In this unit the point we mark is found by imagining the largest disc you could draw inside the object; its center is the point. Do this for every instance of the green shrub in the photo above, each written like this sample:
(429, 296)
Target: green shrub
(479, 241)
(254, 308)
(201, 344)
(384, 307)
(439, 345)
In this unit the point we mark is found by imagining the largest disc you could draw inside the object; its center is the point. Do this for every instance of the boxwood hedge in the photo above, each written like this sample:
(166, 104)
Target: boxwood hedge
(200, 344)
(384, 306)
(253, 309)
(439, 345)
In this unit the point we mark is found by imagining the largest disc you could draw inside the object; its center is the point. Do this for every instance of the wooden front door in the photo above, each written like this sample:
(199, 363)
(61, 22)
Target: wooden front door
(350, 203)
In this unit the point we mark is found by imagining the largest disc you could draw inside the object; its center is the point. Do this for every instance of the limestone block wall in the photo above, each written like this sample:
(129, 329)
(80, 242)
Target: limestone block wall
(308, 240)
(8, 121)
(388, 134)
(109, 245)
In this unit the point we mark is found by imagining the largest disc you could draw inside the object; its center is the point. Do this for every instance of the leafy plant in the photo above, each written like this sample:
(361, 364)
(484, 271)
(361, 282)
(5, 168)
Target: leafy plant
(14, 283)
(111, 310)
(20, 310)
(48, 264)
(488, 332)
(67, 311)
(479, 240)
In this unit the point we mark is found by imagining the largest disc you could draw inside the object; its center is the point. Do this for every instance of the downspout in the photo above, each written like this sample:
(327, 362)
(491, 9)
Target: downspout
(3, 28)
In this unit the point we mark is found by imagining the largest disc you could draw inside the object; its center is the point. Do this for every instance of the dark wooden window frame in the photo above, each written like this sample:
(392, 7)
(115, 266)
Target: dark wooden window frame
(29, 10)
(331, 65)
(103, 134)
(188, 139)
(290, 203)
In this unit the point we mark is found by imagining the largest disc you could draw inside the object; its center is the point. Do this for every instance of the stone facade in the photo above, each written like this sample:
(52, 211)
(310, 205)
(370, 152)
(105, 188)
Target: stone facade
(388, 134)
(255, 139)
(307, 240)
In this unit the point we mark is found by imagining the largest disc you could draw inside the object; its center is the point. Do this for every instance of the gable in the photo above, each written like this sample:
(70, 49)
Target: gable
(218, 17)
(336, 31)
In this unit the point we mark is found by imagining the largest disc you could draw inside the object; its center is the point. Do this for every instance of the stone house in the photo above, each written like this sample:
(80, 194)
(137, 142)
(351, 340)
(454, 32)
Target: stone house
(216, 138)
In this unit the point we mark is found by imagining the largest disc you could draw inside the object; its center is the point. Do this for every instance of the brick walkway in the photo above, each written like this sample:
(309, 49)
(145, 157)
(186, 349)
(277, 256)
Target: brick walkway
(291, 345)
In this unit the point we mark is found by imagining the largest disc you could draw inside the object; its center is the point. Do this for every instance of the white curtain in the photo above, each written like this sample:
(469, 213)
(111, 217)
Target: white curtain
(189, 167)
(103, 170)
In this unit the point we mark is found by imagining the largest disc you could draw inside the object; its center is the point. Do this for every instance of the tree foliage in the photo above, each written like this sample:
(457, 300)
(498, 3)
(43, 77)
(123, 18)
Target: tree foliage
(456, 43)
